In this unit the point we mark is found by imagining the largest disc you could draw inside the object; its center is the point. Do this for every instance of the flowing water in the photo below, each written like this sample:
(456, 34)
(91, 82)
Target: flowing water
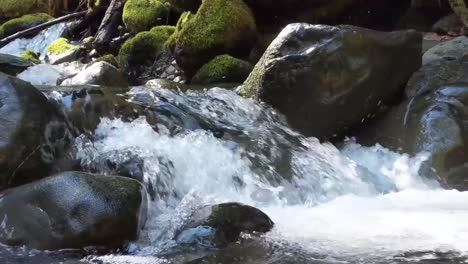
(350, 205)
(353, 205)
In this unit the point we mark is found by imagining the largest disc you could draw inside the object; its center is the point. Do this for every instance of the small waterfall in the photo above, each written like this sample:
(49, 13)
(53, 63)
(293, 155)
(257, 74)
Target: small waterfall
(351, 203)
(38, 43)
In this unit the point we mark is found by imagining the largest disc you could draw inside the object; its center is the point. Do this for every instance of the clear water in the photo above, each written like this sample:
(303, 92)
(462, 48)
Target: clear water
(353, 205)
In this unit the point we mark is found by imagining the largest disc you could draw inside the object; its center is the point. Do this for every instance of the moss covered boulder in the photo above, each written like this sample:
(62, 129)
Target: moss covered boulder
(144, 47)
(219, 27)
(109, 58)
(61, 51)
(31, 56)
(17, 8)
(223, 69)
(21, 23)
(141, 15)
(184, 5)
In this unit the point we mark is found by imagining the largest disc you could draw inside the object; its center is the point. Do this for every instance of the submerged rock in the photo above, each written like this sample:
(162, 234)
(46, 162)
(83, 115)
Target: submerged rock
(98, 73)
(73, 210)
(13, 65)
(33, 133)
(218, 225)
(326, 79)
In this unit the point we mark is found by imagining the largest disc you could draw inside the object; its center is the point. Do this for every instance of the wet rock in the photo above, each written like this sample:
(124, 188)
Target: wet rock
(436, 73)
(61, 51)
(219, 225)
(449, 50)
(433, 122)
(73, 210)
(448, 25)
(13, 65)
(46, 74)
(33, 133)
(312, 71)
(98, 73)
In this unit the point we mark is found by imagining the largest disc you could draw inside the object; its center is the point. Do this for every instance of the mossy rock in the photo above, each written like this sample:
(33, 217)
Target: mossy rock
(61, 46)
(184, 17)
(18, 24)
(223, 69)
(31, 56)
(109, 58)
(17, 8)
(142, 15)
(184, 5)
(13, 65)
(219, 27)
(144, 47)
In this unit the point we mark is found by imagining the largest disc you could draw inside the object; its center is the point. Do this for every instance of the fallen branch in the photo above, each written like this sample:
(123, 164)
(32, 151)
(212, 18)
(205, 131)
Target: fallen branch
(40, 27)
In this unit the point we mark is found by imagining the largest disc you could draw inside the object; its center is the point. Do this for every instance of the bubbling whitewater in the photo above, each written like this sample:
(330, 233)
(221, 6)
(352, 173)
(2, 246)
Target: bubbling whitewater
(358, 204)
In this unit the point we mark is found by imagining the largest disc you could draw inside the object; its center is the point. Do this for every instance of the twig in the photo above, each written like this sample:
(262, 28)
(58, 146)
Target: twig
(40, 27)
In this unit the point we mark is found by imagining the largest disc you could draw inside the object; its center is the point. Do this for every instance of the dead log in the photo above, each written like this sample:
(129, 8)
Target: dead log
(40, 27)
(109, 25)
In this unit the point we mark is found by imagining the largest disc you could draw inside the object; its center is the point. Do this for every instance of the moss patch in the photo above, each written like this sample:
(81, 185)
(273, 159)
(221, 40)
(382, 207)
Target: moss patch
(16, 8)
(184, 5)
(145, 46)
(171, 42)
(141, 15)
(223, 68)
(31, 56)
(220, 26)
(18, 24)
(109, 58)
(61, 46)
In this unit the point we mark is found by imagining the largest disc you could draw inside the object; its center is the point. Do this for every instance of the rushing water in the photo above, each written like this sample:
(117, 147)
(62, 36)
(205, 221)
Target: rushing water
(354, 205)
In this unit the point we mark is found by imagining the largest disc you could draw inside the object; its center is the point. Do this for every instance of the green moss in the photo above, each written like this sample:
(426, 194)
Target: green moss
(224, 68)
(217, 22)
(16, 8)
(94, 5)
(17, 24)
(109, 58)
(171, 42)
(145, 46)
(184, 5)
(31, 56)
(141, 15)
(60, 46)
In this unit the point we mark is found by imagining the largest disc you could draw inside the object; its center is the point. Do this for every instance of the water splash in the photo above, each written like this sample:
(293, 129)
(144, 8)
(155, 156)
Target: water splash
(357, 202)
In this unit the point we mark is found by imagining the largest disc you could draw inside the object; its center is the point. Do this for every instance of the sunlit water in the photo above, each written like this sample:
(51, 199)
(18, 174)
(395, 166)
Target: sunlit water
(354, 205)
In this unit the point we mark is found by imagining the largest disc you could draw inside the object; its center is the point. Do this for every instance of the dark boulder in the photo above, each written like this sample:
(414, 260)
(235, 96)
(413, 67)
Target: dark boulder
(33, 133)
(13, 65)
(73, 210)
(218, 225)
(434, 122)
(326, 79)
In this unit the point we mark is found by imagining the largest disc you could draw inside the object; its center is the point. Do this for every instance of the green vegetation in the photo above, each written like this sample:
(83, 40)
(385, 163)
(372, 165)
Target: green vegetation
(141, 15)
(31, 56)
(145, 46)
(109, 58)
(184, 5)
(171, 42)
(16, 8)
(27, 21)
(61, 46)
(223, 68)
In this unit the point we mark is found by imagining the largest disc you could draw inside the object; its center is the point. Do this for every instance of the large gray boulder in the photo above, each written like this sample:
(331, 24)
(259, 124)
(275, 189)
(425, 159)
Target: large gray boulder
(33, 133)
(73, 210)
(325, 79)
(448, 50)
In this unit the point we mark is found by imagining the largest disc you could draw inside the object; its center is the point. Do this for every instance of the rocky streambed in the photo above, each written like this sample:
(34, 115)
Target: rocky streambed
(208, 132)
